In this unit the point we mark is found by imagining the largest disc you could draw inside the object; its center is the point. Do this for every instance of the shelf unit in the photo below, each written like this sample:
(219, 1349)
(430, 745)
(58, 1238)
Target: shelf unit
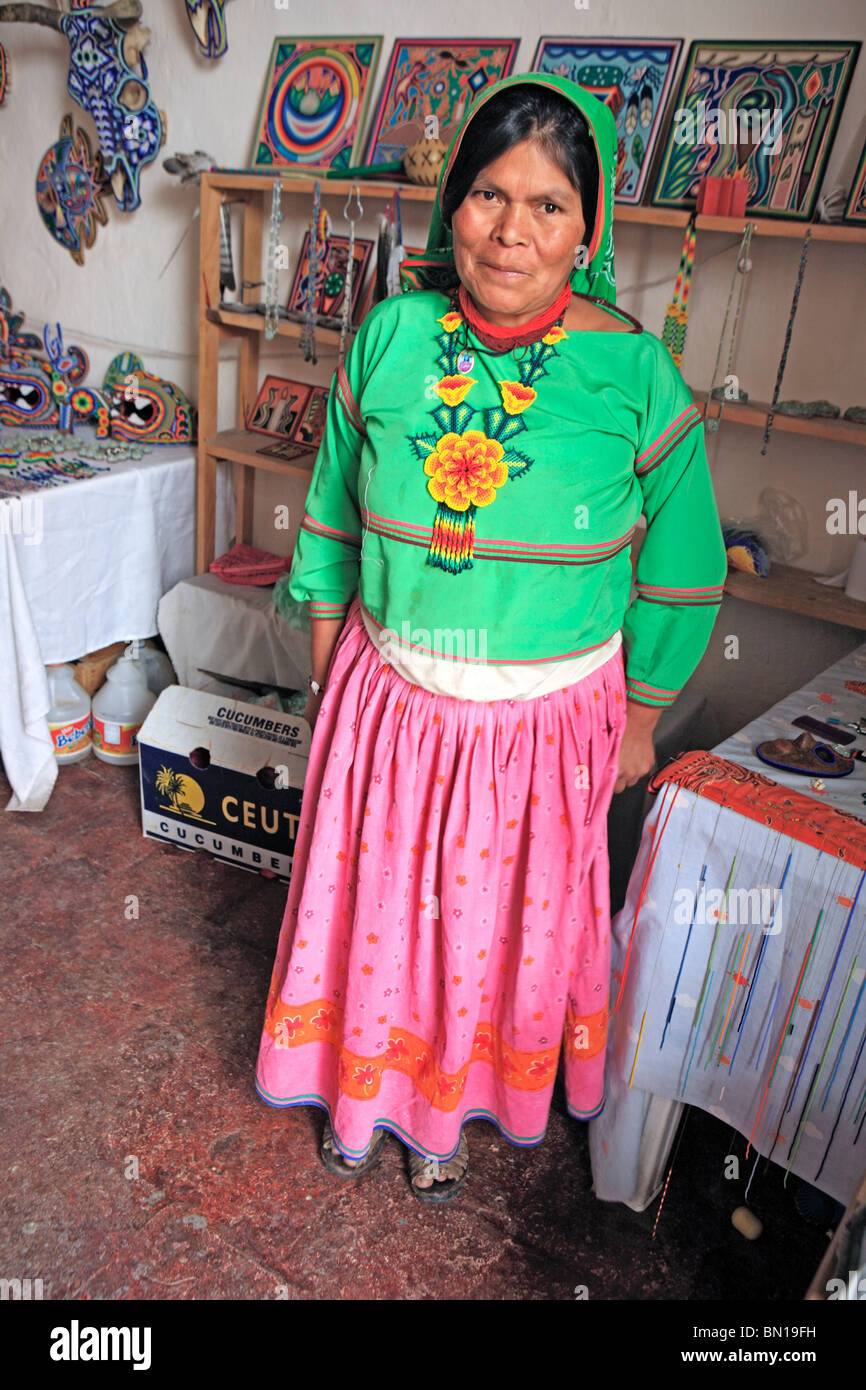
(787, 588)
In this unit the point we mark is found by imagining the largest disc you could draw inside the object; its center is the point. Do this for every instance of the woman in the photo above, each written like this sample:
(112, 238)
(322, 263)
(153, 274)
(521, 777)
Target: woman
(490, 445)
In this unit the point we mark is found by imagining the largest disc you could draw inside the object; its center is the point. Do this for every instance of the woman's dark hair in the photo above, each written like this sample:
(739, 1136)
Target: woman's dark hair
(526, 112)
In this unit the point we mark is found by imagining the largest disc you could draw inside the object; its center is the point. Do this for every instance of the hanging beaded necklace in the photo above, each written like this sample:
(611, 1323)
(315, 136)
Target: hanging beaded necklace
(742, 267)
(677, 318)
(466, 467)
(271, 310)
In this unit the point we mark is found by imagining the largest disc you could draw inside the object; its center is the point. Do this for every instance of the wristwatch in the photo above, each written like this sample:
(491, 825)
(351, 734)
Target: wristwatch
(316, 688)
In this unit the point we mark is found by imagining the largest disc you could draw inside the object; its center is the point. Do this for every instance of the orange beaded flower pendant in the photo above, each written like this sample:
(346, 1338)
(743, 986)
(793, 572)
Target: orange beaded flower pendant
(466, 467)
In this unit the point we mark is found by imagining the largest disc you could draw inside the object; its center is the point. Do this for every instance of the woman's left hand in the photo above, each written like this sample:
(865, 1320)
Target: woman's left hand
(636, 752)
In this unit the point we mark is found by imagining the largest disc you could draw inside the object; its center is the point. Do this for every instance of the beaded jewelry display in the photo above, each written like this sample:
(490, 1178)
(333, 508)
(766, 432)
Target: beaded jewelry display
(676, 322)
(792, 314)
(320, 227)
(352, 212)
(742, 267)
(271, 312)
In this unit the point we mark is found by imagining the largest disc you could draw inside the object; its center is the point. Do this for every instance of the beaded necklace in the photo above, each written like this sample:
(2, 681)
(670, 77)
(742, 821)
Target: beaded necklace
(677, 317)
(466, 467)
(271, 311)
(792, 314)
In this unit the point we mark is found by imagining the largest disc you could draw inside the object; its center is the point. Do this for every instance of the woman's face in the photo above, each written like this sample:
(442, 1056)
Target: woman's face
(516, 233)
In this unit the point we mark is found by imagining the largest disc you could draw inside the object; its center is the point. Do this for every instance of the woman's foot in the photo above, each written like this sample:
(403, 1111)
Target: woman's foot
(349, 1167)
(432, 1181)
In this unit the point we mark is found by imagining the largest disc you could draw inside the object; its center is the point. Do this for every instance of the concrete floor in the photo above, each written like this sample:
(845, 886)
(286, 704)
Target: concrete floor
(141, 1164)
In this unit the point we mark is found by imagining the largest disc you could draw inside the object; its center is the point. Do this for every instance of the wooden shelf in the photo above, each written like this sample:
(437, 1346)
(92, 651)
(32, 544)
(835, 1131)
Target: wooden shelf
(788, 589)
(305, 183)
(772, 226)
(623, 212)
(795, 591)
(247, 329)
(241, 446)
(286, 328)
(755, 413)
(735, 226)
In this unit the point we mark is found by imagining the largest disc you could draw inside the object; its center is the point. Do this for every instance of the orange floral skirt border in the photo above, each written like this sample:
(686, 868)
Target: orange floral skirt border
(446, 940)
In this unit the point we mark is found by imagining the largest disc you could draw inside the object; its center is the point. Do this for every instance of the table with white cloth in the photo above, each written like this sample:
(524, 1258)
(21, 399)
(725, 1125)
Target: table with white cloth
(739, 961)
(84, 564)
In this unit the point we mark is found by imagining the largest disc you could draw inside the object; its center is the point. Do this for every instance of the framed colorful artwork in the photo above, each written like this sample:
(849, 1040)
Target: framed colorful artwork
(855, 210)
(762, 110)
(433, 77)
(287, 451)
(631, 76)
(315, 103)
(331, 278)
(289, 410)
(311, 422)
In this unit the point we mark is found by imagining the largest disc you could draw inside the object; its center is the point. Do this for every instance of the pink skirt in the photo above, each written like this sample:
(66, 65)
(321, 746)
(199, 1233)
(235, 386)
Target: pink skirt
(447, 930)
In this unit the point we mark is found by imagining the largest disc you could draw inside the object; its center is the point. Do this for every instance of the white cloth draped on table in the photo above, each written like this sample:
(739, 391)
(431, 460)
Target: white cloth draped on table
(105, 551)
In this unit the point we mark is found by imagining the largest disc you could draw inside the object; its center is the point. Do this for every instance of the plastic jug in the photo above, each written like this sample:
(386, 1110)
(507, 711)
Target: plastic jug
(120, 707)
(69, 716)
(158, 672)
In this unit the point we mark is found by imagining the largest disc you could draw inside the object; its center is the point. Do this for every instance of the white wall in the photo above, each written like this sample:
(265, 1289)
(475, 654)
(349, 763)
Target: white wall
(124, 298)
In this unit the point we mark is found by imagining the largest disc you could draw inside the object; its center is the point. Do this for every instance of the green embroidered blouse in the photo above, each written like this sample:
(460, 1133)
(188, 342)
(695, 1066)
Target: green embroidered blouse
(482, 505)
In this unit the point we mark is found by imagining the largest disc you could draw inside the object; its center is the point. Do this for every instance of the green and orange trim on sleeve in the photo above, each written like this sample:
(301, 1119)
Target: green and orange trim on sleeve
(318, 528)
(318, 610)
(660, 593)
(644, 694)
(348, 402)
(651, 457)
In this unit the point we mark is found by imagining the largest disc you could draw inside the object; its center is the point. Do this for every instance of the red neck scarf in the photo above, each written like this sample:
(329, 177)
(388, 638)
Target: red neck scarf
(504, 337)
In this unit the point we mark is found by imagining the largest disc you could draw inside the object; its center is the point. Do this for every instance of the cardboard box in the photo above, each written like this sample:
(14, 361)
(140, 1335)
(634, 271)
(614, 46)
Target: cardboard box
(223, 776)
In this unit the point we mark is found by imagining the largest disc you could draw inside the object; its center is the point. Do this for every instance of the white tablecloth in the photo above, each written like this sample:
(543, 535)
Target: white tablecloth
(82, 565)
(682, 1032)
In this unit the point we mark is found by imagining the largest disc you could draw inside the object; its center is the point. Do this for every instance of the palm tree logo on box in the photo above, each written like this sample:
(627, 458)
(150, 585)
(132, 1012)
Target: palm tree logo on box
(183, 793)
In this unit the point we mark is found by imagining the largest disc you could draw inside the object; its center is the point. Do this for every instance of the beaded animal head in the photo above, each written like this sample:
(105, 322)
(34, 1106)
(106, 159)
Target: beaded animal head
(145, 407)
(102, 80)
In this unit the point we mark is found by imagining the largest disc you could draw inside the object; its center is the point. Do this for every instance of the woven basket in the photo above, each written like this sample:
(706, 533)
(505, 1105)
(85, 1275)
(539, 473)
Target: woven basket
(90, 670)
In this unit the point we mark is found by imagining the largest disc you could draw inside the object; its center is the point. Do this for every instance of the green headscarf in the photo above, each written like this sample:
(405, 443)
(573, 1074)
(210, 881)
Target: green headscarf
(431, 270)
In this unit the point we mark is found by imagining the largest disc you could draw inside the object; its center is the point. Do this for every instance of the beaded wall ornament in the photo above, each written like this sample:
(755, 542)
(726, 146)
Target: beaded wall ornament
(742, 266)
(271, 287)
(466, 467)
(208, 23)
(352, 212)
(69, 185)
(792, 314)
(4, 73)
(102, 80)
(12, 335)
(676, 321)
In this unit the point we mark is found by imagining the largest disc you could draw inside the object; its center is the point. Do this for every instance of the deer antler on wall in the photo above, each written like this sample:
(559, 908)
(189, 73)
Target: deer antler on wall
(121, 11)
(108, 77)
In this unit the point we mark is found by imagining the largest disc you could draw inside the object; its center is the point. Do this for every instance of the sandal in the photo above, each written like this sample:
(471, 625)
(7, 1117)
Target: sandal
(805, 754)
(448, 1178)
(334, 1161)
